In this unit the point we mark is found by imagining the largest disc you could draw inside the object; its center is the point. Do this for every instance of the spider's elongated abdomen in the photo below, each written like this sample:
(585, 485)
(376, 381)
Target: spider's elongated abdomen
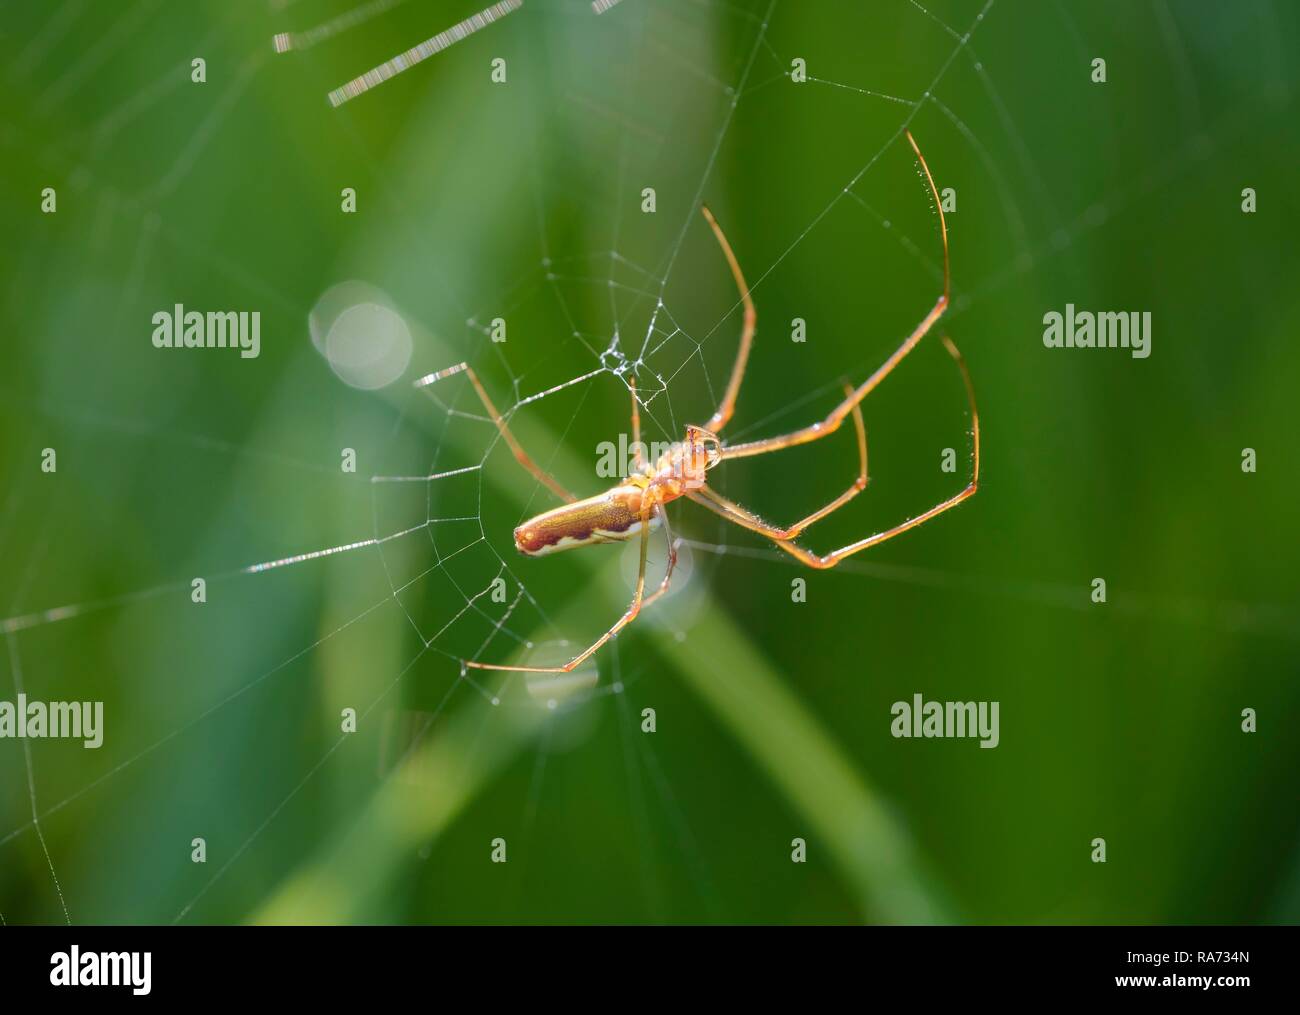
(612, 516)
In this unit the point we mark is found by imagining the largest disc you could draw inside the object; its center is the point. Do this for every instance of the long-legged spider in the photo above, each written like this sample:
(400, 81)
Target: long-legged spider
(636, 505)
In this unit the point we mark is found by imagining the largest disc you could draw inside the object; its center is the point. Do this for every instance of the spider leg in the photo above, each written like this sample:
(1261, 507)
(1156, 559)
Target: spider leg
(638, 460)
(520, 454)
(639, 600)
(672, 560)
(740, 516)
(728, 405)
(831, 423)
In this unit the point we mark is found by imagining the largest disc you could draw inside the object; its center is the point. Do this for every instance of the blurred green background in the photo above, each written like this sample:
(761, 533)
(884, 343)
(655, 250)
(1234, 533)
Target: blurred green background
(523, 200)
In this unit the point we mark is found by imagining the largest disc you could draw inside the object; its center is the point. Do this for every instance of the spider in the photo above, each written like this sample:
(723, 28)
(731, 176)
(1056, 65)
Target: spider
(636, 505)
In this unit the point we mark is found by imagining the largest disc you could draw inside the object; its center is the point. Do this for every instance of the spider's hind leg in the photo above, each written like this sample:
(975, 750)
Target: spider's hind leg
(639, 601)
(503, 428)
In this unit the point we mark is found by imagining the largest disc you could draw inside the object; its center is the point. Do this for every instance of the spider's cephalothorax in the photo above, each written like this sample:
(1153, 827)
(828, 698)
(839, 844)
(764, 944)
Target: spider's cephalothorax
(616, 515)
(636, 505)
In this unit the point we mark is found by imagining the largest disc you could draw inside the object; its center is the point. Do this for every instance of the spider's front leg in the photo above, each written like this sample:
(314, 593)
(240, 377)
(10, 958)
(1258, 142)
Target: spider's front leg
(732, 511)
(826, 427)
(727, 407)
(739, 515)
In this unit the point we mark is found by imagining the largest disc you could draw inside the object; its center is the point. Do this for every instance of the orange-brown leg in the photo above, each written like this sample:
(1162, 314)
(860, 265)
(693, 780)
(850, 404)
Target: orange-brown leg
(639, 600)
(638, 459)
(728, 405)
(748, 520)
(520, 454)
(831, 423)
(742, 516)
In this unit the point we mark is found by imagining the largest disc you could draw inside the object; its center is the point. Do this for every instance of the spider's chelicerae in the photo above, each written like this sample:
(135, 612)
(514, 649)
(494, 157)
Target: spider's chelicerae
(636, 505)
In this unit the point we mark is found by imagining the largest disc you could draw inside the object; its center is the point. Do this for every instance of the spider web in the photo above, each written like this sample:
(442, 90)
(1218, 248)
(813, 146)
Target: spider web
(430, 579)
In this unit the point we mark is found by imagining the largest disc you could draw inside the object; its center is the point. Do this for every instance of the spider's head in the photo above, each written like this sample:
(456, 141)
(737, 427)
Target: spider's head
(703, 449)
